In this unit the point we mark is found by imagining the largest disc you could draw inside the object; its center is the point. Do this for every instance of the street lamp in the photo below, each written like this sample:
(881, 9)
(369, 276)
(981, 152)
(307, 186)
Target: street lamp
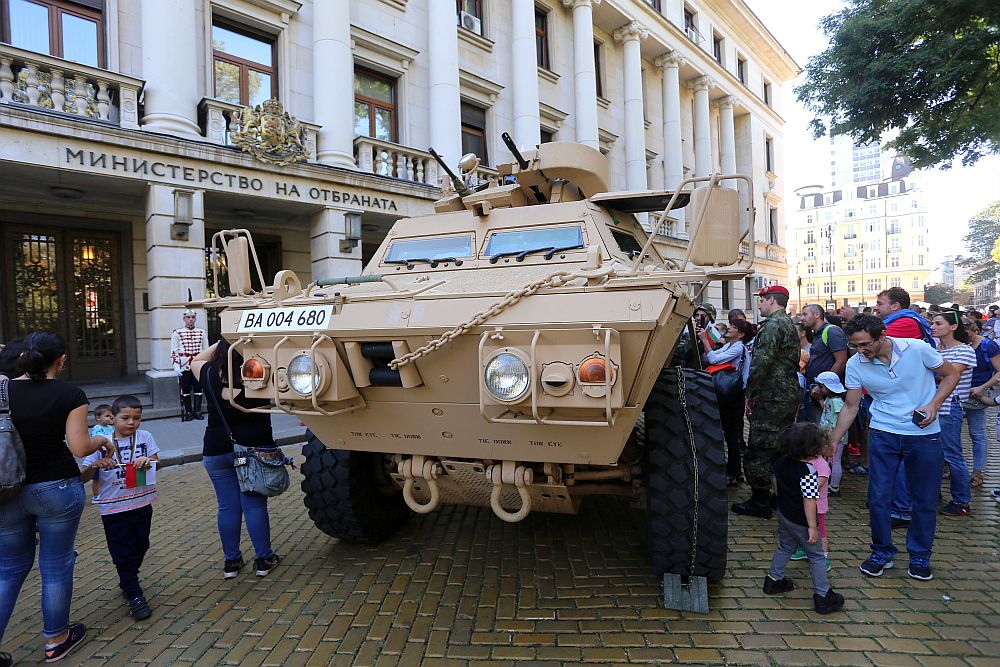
(829, 245)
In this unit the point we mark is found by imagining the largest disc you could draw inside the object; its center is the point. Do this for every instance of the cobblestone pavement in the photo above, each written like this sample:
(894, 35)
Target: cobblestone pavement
(461, 587)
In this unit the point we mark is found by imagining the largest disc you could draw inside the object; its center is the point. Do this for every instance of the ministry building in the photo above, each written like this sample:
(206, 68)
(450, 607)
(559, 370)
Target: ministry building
(125, 144)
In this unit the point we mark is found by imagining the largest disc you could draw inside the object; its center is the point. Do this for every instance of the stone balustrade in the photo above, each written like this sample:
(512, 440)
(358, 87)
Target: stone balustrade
(45, 82)
(385, 158)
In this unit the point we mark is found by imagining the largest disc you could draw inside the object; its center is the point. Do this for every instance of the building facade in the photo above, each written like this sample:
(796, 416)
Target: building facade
(853, 242)
(117, 119)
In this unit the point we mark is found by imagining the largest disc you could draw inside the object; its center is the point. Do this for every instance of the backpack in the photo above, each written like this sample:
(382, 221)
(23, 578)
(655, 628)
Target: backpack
(826, 334)
(12, 458)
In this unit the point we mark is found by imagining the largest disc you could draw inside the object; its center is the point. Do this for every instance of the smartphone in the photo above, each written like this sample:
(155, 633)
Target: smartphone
(919, 417)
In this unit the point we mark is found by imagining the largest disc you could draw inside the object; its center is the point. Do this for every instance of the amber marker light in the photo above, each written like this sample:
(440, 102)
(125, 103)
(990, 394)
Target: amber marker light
(593, 371)
(254, 373)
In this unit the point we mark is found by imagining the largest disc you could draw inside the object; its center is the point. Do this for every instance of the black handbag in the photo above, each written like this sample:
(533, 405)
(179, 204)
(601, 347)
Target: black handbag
(12, 457)
(729, 383)
(259, 470)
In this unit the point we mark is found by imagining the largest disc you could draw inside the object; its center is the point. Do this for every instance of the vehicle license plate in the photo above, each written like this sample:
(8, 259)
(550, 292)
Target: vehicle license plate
(299, 318)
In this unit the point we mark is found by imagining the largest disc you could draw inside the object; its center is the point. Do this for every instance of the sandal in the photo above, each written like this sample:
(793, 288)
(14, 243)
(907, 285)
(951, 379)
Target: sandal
(977, 478)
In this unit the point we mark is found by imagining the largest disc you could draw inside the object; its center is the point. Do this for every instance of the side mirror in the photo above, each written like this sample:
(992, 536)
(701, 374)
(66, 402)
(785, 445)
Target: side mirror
(238, 263)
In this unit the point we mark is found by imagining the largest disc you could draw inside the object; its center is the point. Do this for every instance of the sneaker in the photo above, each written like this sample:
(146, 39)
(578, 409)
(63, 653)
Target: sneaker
(139, 608)
(265, 565)
(6, 660)
(898, 522)
(920, 568)
(77, 631)
(829, 603)
(956, 509)
(833, 491)
(777, 586)
(799, 554)
(875, 565)
(232, 567)
(858, 469)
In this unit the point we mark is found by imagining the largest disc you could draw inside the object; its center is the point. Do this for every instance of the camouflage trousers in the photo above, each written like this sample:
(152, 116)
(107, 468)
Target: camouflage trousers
(767, 421)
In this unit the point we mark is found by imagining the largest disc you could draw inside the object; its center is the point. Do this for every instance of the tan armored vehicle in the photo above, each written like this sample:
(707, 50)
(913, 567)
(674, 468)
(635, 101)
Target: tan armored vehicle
(507, 351)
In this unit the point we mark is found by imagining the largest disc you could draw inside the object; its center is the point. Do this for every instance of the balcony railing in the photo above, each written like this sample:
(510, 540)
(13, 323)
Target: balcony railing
(388, 159)
(45, 82)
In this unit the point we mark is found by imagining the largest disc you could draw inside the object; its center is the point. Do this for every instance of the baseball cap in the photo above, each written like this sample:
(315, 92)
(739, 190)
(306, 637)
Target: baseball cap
(830, 380)
(773, 289)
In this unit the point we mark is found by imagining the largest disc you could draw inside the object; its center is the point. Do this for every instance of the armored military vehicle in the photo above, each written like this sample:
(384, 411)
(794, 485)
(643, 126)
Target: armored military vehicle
(507, 351)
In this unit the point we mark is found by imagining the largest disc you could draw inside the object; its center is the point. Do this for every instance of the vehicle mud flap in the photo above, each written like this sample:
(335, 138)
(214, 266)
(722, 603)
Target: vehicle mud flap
(685, 477)
(347, 495)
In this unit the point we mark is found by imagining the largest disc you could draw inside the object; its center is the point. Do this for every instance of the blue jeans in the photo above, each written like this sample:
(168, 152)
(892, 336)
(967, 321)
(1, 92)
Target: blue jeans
(951, 442)
(234, 506)
(923, 458)
(980, 441)
(901, 504)
(52, 509)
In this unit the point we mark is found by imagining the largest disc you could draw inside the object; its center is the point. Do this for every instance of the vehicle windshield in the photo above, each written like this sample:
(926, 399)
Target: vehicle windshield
(517, 241)
(437, 247)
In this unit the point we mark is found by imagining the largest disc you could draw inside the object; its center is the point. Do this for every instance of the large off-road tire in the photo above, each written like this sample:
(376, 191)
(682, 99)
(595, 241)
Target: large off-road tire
(348, 496)
(678, 522)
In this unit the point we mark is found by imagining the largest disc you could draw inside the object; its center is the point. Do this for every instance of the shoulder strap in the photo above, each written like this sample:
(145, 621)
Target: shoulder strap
(826, 333)
(208, 375)
(4, 404)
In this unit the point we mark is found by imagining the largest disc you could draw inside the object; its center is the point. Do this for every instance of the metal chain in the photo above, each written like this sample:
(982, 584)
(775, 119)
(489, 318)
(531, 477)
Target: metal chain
(552, 280)
(682, 399)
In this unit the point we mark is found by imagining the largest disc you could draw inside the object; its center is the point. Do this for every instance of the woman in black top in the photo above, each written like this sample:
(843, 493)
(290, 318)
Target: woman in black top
(45, 411)
(250, 429)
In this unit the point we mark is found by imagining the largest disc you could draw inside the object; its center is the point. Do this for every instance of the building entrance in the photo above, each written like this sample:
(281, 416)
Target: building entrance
(66, 281)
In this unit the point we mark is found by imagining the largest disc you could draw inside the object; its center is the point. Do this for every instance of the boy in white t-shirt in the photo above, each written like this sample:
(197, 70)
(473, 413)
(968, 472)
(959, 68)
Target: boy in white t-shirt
(126, 474)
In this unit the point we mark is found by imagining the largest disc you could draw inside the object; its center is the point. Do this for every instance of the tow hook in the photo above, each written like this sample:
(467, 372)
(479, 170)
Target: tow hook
(508, 472)
(426, 469)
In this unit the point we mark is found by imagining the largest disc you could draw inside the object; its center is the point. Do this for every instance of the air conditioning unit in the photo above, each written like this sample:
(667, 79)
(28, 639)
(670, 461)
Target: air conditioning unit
(470, 22)
(759, 283)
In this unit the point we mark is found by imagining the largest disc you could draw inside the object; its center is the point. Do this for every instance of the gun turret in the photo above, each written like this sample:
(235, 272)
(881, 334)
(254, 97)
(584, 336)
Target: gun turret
(460, 187)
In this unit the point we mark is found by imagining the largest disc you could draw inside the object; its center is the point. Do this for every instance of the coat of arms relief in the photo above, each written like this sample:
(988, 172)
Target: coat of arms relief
(267, 132)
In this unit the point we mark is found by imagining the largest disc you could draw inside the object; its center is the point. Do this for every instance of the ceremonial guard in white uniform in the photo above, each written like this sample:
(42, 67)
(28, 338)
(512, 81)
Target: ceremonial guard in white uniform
(185, 343)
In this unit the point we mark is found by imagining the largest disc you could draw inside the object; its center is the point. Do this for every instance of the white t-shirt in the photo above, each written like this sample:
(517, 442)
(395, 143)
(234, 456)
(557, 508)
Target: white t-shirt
(119, 491)
(959, 354)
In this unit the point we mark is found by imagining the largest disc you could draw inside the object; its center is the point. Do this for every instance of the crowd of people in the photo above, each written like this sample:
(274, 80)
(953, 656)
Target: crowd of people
(120, 460)
(883, 392)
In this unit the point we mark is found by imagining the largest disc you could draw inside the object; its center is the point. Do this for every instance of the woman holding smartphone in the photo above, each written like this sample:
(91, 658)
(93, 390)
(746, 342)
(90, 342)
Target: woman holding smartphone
(947, 327)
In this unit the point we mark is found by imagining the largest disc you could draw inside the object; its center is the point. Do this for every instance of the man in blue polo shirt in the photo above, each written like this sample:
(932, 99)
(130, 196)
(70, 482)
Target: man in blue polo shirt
(898, 373)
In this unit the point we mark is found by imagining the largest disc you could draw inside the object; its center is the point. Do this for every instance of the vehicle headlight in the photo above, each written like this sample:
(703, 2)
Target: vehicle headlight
(506, 377)
(304, 375)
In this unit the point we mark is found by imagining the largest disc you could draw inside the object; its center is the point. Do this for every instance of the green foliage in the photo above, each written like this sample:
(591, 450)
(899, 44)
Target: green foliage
(984, 230)
(926, 72)
(938, 293)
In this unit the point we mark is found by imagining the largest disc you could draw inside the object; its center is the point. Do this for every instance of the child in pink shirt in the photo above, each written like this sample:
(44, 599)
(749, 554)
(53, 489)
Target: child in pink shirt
(822, 466)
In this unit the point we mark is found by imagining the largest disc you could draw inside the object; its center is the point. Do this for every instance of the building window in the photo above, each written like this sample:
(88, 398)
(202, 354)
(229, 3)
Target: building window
(655, 4)
(772, 232)
(766, 92)
(896, 282)
(894, 260)
(70, 30)
(874, 285)
(690, 25)
(244, 65)
(741, 69)
(599, 68)
(811, 289)
(920, 221)
(850, 286)
(374, 105)
(546, 136)
(474, 131)
(850, 265)
(810, 269)
(920, 260)
(542, 37)
(769, 153)
(809, 219)
(916, 283)
(717, 48)
(470, 15)
(810, 237)
(727, 294)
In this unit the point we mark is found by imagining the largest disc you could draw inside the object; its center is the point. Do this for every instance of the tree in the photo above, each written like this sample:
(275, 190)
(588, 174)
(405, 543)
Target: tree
(928, 72)
(984, 231)
(938, 293)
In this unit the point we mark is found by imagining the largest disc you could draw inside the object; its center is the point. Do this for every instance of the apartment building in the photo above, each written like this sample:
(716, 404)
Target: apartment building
(119, 122)
(855, 241)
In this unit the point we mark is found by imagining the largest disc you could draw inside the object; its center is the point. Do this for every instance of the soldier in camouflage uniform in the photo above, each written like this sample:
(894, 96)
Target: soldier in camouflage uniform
(773, 396)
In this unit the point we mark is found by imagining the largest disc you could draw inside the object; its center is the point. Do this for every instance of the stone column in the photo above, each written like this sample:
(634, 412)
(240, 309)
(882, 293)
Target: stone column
(333, 96)
(326, 231)
(702, 123)
(727, 138)
(673, 151)
(584, 71)
(527, 133)
(172, 268)
(171, 93)
(442, 62)
(635, 123)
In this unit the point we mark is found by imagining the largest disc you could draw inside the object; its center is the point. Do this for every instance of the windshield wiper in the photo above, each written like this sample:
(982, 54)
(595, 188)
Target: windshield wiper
(519, 255)
(411, 262)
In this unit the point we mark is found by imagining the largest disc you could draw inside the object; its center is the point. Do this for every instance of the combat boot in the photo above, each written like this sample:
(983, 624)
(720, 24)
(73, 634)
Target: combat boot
(196, 413)
(758, 505)
(186, 412)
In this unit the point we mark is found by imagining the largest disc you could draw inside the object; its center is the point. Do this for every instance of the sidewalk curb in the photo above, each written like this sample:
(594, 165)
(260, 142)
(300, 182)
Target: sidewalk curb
(178, 457)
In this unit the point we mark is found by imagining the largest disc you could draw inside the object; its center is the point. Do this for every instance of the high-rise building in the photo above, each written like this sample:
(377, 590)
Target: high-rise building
(851, 163)
(854, 241)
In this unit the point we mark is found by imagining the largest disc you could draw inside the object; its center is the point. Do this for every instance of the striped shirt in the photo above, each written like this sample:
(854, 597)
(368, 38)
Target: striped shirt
(959, 354)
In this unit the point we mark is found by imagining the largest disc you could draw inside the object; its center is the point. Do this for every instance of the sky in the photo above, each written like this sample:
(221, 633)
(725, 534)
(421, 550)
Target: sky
(952, 196)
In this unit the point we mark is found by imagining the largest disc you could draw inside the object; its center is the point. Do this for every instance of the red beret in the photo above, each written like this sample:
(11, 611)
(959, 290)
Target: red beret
(773, 289)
